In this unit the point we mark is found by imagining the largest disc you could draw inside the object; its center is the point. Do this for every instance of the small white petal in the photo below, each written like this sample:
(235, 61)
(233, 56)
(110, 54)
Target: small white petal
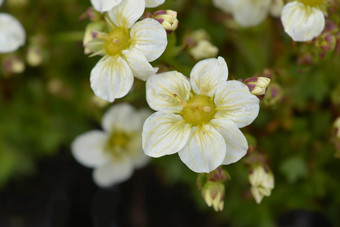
(207, 75)
(88, 148)
(166, 91)
(205, 150)
(127, 13)
(149, 37)
(12, 34)
(140, 67)
(164, 134)
(105, 5)
(111, 78)
(236, 143)
(251, 13)
(302, 22)
(113, 172)
(153, 3)
(121, 117)
(235, 102)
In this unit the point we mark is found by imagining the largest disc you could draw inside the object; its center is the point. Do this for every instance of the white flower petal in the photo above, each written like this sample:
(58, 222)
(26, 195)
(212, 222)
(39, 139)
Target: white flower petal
(207, 74)
(127, 13)
(302, 22)
(164, 134)
(250, 13)
(234, 101)
(205, 150)
(105, 5)
(12, 34)
(88, 148)
(111, 78)
(236, 143)
(121, 117)
(113, 172)
(166, 91)
(140, 67)
(149, 37)
(153, 3)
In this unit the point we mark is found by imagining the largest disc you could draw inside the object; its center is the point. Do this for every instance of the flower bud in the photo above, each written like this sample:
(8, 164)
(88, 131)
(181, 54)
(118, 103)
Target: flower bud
(34, 56)
(276, 7)
(13, 64)
(257, 85)
(261, 181)
(273, 95)
(212, 187)
(213, 195)
(326, 42)
(168, 19)
(203, 49)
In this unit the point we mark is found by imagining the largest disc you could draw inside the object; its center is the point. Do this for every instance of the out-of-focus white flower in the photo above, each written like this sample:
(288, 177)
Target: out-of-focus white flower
(303, 20)
(12, 34)
(213, 194)
(107, 5)
(34, 55)
(250, 13)
(128, 48)
(167, 18)
(203, 49)
(115, 152)
(199, 119)
(262, 183)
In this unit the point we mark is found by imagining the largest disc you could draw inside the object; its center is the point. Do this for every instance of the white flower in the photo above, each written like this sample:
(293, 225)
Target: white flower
(107, 5)
(203, 49)
(262, 183)
(116, 151)
(128, 48)
(301, 21)
(12, 34)
(199, 119)
(249, 13)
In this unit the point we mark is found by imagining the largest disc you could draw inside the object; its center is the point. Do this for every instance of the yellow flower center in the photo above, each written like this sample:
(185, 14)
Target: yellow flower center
(313, 3)
(118, 144)
(116, 41)
(198, 110)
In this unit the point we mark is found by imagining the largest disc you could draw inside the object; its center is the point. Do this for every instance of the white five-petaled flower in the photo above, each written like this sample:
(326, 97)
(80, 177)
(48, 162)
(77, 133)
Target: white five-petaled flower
(128, 47)
(12, 33)
(250, 12)
(200, 118)
(303, 20)
(107, 5)
(116, 151)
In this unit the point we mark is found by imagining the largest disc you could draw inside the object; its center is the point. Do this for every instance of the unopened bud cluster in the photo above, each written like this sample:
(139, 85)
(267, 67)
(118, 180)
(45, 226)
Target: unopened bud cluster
(257, 85)
(261, 180)
(168, 19)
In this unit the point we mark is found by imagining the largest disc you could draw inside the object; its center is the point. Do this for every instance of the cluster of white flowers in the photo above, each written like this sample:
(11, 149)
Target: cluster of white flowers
(12, 33)
(302, 20)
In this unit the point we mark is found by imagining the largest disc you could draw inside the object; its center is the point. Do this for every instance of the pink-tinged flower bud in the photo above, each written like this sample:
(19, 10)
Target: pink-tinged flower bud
(13, 64)
(261, 180)
(273, 95)
(168, 19)
(212, 187)
(92, 32)
(257, 85)
(326, 42)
